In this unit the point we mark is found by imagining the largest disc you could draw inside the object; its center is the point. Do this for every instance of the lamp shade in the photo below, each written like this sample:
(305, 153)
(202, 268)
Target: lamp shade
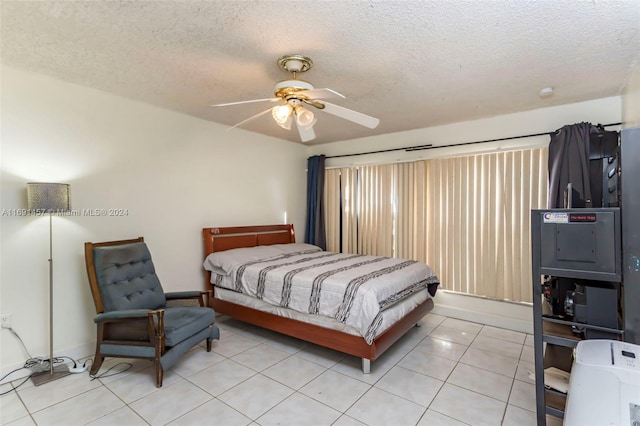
(50, 197)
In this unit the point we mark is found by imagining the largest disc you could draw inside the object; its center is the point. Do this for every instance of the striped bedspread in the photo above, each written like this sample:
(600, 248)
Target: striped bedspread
(354, 289)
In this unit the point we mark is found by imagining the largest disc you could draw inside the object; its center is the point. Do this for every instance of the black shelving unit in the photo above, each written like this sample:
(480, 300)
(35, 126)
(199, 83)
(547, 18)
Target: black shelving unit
(583, 248)
(606, 257)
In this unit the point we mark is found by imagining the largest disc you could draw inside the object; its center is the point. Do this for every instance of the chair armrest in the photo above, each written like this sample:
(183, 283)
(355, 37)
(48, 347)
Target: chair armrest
(134, 325)
(174, 295)
(116, 315)
(203, 297)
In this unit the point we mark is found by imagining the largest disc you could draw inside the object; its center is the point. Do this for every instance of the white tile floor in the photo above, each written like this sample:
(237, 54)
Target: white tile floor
(445, 372)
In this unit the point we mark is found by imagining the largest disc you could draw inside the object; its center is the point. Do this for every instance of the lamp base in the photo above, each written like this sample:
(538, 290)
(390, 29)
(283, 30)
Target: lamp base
(46, 376)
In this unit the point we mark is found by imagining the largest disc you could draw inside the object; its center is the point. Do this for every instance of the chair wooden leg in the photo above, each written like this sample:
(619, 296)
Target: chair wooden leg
(97, 363)
(159, 374)
(97, 360)
(209, 344)
(157, 330)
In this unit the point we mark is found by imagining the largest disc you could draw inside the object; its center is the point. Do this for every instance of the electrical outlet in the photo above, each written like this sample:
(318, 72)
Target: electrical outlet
(5, 320)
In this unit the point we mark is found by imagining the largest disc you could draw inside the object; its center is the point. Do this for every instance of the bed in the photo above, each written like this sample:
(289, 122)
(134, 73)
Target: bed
(260, 275)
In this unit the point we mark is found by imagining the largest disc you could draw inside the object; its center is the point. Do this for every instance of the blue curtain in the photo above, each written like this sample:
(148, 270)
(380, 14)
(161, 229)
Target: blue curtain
(315, 230)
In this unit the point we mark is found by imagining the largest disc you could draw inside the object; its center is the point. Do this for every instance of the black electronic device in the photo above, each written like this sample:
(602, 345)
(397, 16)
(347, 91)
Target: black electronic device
(555, 291)
(593, 304)
(580, 243)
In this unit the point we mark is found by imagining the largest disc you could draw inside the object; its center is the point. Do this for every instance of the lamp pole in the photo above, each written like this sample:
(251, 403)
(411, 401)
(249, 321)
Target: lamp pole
(50, 292)
(49, 197)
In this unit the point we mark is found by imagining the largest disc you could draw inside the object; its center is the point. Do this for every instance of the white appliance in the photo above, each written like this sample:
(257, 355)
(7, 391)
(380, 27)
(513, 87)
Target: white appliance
(604, 388)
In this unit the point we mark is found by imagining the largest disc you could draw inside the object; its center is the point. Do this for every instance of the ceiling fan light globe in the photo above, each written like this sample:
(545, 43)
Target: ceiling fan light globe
(287, 124)
(311, 124)
(281, 113)
(305, 117)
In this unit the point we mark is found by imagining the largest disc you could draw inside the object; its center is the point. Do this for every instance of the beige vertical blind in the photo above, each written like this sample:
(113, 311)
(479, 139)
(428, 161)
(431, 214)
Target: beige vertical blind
(467, 217)
(476, 216)
(375, 210)
(406, 200)
(341, 215)
(332, 209)
(349, 183)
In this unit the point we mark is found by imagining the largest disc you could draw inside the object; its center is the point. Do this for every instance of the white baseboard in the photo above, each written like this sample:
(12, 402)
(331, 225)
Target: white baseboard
(508, 315)
(78, 353)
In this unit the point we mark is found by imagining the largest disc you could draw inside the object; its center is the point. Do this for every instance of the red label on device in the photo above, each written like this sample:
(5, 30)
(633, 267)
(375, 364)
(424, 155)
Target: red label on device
(582, 217)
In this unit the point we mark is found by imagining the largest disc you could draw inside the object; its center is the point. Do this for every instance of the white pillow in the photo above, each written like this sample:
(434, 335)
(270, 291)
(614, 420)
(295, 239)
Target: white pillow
(295, 247)
(223, 262)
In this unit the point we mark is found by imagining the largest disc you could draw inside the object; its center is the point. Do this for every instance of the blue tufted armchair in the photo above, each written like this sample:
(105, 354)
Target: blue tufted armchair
(133, 318)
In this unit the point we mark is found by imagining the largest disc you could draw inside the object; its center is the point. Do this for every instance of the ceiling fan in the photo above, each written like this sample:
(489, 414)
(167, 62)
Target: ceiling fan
(294, 95)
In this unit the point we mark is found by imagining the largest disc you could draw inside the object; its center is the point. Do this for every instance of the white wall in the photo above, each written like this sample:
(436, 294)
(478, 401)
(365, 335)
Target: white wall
(173, 173)
(631, 99)
(500, 314)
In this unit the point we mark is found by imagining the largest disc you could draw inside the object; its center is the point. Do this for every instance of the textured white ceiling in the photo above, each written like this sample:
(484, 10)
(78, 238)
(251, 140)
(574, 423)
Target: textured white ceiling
(413, 64)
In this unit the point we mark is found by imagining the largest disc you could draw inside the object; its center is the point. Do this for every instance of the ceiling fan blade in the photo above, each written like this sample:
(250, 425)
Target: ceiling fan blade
(351, 115)
(250, 118)
(246, 102)
(306, 133)
(321, 93)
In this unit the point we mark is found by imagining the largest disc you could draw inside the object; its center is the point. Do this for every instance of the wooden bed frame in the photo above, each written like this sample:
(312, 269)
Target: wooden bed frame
(219, 239)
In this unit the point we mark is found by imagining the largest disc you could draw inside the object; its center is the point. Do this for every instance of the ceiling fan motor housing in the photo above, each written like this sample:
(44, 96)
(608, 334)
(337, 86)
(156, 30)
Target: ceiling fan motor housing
(287, 88)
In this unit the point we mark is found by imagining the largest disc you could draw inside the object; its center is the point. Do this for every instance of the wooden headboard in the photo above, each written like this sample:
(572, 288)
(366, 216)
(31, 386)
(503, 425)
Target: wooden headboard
(220, 239)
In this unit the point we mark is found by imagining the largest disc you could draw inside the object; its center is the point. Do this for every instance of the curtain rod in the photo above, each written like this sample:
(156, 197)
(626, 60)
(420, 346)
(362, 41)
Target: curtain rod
(430, 146)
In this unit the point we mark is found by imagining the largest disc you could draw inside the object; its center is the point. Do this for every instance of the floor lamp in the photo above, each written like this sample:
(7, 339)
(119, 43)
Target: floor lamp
(49, 198)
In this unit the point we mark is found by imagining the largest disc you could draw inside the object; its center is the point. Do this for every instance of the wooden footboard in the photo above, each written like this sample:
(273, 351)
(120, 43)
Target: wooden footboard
(333, 339)
(219, 239)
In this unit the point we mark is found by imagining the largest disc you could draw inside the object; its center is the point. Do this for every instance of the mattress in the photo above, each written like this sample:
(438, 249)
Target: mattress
(389, 316)
(353, 290)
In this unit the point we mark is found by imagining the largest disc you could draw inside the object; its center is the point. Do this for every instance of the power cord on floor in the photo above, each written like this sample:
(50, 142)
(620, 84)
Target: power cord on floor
(14, 387)
(38, 365)
(128, 365)
(44, 364)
